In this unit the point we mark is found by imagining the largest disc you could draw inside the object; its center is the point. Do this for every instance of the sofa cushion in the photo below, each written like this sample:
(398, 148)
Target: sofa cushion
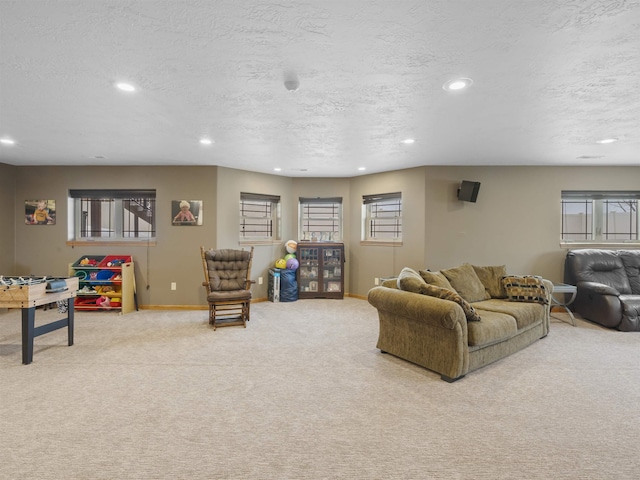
(526, 288)
(410, 280)
(446, 294)
(494, 327)
(465, 281)
(435, 278)
(631, 262)
(491, 278)
(525, 314)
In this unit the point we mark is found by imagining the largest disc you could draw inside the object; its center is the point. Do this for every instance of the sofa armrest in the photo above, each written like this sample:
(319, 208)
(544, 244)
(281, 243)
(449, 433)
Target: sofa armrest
(594, 288)
(420, 308)
(425, 330)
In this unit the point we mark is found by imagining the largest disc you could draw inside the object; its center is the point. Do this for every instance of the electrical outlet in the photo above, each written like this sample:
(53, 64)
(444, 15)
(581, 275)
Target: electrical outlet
(259, 280)
(173, 285)
(376, 281)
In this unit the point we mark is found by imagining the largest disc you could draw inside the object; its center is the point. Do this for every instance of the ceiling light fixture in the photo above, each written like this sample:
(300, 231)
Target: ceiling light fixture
(7, 141)
(291, 81)
(291, 85)
(604, 141)
(277, 169)
(206, 141)
(362, 169)
(408, 141)
(457, 84)
(125, 87)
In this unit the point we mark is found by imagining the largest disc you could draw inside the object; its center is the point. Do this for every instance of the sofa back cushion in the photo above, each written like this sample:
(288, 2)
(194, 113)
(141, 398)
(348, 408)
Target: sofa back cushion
(491, 278)
(600, 266)
(465, 281)
(631, 261)
(435, 278)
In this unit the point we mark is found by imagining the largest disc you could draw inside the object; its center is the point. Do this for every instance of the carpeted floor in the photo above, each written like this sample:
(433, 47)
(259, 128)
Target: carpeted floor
(302, 393)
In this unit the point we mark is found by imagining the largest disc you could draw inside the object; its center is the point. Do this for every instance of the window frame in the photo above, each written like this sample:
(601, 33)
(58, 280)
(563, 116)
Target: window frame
(370, 203)
(306, 216)
(273, 218)
(115, 199)
(597, 213)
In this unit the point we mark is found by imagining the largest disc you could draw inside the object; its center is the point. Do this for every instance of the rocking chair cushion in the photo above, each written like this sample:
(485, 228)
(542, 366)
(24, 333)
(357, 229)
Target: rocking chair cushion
(227, 269)
(229, 295)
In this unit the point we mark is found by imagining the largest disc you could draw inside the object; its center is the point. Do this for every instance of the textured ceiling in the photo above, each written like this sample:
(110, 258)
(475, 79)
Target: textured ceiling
(550, 78)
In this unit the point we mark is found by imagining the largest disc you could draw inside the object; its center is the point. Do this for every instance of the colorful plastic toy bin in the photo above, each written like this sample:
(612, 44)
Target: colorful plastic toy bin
(114, 261)
(94, 261)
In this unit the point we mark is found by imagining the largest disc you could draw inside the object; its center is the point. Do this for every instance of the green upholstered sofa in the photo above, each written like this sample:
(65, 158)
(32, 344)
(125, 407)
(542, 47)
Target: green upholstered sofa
(443, 333)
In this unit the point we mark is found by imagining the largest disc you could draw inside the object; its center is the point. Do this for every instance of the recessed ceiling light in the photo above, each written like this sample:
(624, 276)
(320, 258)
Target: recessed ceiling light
(206, 141)
(125, 87)
(362, 169)
(607, 140)
(7, 141)
(457, 84)
(408, 141)
(277, 169)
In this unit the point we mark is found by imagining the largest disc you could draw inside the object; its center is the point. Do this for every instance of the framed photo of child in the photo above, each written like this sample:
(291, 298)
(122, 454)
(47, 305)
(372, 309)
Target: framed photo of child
(186, 212)
(40, 212)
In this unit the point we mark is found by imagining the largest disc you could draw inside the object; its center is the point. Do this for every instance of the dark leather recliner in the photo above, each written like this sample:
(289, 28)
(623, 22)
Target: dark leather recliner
(608, 283)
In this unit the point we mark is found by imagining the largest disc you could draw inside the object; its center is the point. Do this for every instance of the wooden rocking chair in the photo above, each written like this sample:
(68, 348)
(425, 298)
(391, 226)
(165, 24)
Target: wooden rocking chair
(228, 282)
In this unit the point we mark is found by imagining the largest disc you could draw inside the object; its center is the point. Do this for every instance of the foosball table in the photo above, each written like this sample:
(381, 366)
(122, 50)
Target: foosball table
(30, 292)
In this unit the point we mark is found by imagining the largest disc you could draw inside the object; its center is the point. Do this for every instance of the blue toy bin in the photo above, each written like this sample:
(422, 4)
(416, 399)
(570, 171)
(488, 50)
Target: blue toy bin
(102, 276)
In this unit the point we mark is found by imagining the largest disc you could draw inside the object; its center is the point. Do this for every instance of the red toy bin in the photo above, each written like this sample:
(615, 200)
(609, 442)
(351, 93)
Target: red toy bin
(114, 261)
(84, 302)
(94, 261)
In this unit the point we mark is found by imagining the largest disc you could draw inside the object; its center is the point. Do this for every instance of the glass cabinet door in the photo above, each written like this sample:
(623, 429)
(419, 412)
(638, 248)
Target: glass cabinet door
(332, 269)
(309, 268)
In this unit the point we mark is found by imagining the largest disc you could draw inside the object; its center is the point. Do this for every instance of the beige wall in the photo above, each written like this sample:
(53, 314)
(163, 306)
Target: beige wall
(7, 217)
(327, 187)
(42, 250)
(230, 184)
(370, 261)
(516, 220)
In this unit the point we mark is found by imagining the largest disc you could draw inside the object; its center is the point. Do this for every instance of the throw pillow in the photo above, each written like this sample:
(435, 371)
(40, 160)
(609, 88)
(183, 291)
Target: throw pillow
(446, 294)
(526, 288)
(435, 278)
(465, 281)
(491, 278)
(410, 280)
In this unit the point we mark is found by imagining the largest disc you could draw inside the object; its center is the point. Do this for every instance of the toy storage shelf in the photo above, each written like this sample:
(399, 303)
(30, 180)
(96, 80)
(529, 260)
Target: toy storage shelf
(105, 283)
(321, 270)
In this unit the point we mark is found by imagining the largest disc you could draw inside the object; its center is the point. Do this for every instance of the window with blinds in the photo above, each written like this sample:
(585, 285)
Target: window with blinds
(320, 218)
(124, 215)
(382, 217)
(259, 217)
(600, 216)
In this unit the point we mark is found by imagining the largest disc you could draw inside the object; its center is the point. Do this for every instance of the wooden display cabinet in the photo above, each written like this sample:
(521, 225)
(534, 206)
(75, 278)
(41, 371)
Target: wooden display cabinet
(321, 270)
(106, 283)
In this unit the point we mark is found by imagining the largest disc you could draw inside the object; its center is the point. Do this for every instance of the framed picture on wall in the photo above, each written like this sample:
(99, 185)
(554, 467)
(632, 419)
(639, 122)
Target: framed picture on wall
(186, 212)
(40, 212)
